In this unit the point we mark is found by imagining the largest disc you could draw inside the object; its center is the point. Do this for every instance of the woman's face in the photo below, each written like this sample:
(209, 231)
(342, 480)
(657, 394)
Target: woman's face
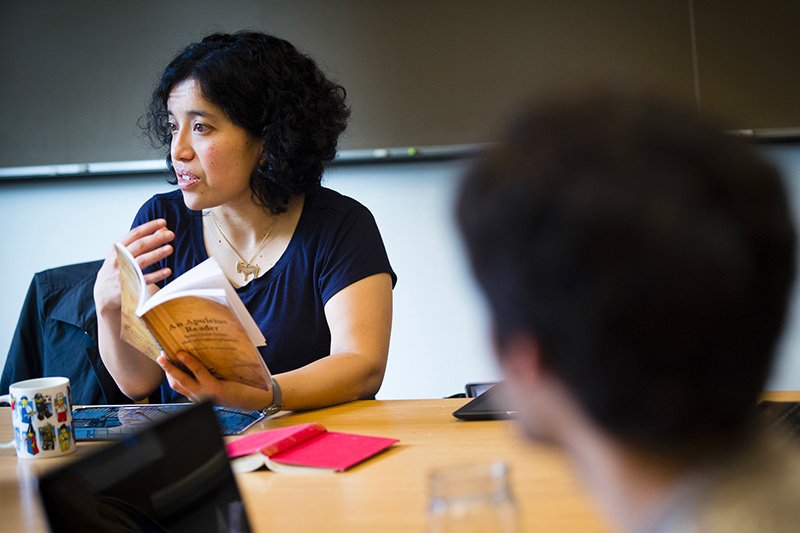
(213, 157)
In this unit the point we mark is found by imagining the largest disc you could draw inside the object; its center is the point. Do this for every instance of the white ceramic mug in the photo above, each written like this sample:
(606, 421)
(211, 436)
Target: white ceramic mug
(41, 413)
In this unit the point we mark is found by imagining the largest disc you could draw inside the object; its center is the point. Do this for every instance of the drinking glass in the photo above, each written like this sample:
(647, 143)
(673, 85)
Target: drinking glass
(472, 498)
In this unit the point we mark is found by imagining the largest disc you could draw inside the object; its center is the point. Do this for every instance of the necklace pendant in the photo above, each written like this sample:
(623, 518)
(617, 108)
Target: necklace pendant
(246, 269)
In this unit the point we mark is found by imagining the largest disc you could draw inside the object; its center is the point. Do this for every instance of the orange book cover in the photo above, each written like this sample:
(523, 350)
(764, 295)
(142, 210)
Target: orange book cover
(199, 312)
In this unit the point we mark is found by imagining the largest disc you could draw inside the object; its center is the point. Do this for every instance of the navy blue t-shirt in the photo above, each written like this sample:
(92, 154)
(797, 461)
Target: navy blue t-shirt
(335, 244)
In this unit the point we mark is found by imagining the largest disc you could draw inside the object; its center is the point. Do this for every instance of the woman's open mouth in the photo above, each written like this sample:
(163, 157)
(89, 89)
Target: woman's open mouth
(186, 179)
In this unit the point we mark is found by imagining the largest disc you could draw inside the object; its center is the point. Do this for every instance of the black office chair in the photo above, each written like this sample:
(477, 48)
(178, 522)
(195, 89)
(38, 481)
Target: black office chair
(57, 336)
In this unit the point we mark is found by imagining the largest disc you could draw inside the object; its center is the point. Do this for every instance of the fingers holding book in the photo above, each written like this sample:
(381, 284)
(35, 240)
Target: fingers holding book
(189, 377)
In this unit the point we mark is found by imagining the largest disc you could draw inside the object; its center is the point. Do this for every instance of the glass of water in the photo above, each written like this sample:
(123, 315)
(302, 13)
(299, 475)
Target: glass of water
(472, 498)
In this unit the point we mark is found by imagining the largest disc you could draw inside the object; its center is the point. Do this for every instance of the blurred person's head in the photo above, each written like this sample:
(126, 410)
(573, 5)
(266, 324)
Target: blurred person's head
(637, 263)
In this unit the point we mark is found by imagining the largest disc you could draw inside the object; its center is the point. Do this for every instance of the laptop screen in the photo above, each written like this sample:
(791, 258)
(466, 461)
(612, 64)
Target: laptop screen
(172, 476)
(116, 421)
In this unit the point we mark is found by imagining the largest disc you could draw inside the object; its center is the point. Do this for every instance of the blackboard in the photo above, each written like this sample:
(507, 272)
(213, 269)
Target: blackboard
(76, 75)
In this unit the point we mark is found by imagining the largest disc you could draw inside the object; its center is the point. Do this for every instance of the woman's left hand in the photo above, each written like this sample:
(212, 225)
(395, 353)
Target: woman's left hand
(204, 385)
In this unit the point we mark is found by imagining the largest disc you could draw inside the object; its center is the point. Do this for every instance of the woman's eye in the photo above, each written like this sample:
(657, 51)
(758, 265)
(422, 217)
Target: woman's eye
(172, 127)
(200, 128)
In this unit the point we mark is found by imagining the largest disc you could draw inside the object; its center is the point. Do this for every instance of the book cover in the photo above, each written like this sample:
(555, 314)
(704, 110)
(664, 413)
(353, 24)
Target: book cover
(132, 285)
(303, 448)
(199, 312)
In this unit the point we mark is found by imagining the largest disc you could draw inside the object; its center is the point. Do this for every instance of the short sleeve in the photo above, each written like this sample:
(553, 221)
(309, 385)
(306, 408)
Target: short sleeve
(146, 213)
(355, 251)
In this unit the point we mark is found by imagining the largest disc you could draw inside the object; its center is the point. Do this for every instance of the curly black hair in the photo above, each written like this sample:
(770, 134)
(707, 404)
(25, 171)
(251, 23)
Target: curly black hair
(274, 92)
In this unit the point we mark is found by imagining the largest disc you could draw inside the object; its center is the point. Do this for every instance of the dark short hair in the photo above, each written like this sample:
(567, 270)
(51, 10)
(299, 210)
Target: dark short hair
(274, 92)
(651, 255)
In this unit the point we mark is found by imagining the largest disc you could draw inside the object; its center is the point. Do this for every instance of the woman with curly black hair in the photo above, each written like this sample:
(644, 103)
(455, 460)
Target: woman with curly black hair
(248, 122)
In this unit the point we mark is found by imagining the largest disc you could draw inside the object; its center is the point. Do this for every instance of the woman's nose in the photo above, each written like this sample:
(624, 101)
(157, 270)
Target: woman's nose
(181, 147)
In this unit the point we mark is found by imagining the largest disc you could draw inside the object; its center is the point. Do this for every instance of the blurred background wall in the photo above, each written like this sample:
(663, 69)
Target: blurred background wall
(438, 76)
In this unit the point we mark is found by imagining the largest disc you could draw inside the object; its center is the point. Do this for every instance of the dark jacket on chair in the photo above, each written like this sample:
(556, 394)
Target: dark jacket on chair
(57, 336)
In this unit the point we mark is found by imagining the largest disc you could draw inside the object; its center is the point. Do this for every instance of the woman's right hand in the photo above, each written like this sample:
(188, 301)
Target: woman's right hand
(148, 243)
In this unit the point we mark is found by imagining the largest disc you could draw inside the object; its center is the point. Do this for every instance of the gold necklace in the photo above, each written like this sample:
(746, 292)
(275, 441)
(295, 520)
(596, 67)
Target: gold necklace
(246, 268)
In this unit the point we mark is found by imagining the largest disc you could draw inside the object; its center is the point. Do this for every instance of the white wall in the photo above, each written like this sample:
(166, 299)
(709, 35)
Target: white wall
(438, 341)
(439, 337)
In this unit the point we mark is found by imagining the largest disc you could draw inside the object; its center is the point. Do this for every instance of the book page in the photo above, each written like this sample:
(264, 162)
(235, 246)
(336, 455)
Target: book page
(295, 469)
(206, 276)
(211, 332)
(133, 330)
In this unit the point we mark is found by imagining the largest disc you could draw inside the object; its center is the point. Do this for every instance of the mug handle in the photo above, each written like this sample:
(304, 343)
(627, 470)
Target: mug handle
(7, 399)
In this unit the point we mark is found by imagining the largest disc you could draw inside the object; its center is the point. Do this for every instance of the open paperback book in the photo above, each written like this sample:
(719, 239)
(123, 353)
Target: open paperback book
(303, 448)
(198, 312)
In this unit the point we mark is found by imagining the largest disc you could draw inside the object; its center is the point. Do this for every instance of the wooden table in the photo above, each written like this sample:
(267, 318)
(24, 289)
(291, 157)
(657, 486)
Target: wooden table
(386, 493)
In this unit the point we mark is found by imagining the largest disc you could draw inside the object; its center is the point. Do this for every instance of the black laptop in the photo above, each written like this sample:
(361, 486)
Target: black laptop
(173, 475)
(491, 404)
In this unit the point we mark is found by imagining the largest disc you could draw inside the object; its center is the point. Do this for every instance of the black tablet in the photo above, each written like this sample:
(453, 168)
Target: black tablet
(489, 405)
